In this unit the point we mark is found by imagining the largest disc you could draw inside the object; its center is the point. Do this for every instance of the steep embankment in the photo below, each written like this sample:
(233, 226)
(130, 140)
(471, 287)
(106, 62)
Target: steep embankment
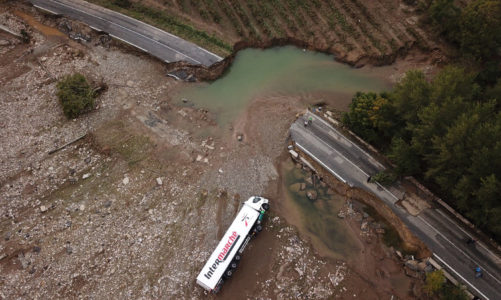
(357, 32)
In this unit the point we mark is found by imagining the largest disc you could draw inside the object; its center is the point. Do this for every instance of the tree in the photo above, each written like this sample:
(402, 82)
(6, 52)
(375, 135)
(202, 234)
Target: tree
(480, 29)
(123, 3)
(358, 118)
(384, 177)
(372, 117)
(410, 95)
(25, 36)
(453, 82)
(494, 92)
(452, 292)
(75, 94)
(434, 282)
(404, 157)
(444, 16)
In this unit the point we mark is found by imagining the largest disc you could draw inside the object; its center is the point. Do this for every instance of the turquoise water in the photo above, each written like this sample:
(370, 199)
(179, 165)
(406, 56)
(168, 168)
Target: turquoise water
(279, 71)
(318, 218)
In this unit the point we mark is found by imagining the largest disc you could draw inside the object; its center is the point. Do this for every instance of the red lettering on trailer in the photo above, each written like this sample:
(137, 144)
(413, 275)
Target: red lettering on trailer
(230, 242)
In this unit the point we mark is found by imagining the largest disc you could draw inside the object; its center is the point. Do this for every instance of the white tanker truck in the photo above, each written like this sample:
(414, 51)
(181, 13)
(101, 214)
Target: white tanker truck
(224, 260)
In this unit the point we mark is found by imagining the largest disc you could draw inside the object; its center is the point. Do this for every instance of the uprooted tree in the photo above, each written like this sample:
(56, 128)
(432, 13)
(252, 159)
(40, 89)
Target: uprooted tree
(75, 94)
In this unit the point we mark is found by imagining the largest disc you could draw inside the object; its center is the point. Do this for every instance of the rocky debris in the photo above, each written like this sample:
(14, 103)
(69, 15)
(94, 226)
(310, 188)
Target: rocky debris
(312, 195)
(103, 40)
(298, 275)
(240, 137)
(43, 208)
(159, 181)
(302, 186)
(182, 74)
(86, 175)
(339, 275)
(75, 30)
(4, 43)
(125, 181)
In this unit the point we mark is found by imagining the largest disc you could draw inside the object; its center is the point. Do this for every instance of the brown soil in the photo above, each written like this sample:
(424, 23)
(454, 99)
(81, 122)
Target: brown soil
(104, 225)
(356, 32)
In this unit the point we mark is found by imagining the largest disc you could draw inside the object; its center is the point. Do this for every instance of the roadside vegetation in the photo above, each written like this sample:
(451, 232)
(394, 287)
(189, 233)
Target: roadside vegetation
(436, 285)
(165, 20)
(447, 132)
(75, 95)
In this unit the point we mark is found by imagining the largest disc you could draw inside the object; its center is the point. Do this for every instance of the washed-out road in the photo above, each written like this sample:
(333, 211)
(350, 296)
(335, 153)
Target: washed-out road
(444, 236)
(163, 45)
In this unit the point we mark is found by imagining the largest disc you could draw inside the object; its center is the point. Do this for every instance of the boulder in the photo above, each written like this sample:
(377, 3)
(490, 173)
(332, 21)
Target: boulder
(312, 195)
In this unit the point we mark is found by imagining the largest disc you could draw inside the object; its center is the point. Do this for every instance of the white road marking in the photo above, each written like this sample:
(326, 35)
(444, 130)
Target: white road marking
(162, 31)
(367, 154)
(127, 42)
(367, 175)
(457, 273)
(46, 9)
(339, 153)
(125, 28)
(462, 252)
(320, 162)
(498, 260)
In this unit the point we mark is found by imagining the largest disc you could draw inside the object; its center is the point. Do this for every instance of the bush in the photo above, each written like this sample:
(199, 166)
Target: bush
(123, 3)
(384, 177)
(25, 36)
(75, 94)
(434, 282)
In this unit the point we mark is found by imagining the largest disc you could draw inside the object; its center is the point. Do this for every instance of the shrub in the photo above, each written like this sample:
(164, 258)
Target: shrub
(384, 177)
(123, 3)
(25, 36)
(75, 94)
(434, 282)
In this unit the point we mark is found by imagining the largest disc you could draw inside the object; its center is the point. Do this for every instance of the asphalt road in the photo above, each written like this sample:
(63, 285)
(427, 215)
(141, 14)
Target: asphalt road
(444, 236)
(147, 38)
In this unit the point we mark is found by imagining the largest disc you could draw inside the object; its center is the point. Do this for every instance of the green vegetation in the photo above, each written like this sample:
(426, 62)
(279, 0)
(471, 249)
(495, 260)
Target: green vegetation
(446, 132)
(165, 20)
(434, 282)
(476, 28)
(384, 177)
(25, 36)
(75, 94)
(436, 285)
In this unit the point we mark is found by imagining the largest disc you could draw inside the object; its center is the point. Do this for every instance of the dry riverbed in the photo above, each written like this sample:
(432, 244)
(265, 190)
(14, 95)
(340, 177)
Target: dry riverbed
(135, 207)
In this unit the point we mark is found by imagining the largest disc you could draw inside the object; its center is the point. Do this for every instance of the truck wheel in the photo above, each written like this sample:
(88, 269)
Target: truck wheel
(237, 258)
(228, 273)
(233, 265)
(265, 206)
(258, 228)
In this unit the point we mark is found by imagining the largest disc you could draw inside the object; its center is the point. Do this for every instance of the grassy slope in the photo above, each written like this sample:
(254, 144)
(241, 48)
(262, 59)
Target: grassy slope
(170, 23)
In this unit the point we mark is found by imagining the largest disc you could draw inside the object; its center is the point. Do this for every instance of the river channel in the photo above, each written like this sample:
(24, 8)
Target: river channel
(314, 77)
(317, 77)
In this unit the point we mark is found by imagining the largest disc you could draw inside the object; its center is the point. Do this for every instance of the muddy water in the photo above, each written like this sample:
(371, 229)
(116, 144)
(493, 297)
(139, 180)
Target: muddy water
(281, 71)
(330, 235)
